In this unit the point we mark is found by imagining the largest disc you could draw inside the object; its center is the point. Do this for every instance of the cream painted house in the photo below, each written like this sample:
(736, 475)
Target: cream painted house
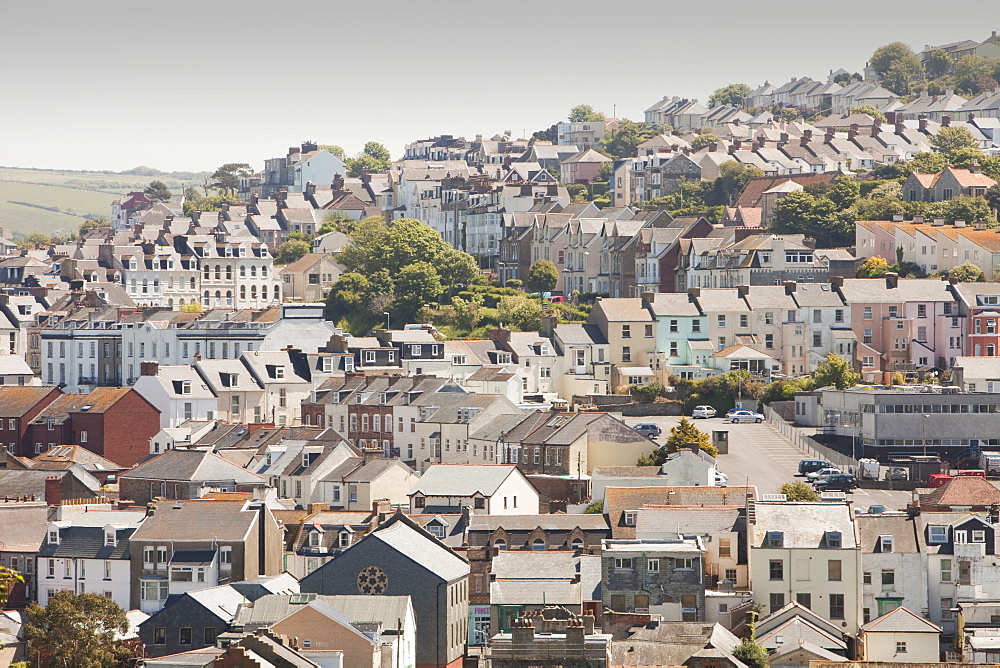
(900, 636)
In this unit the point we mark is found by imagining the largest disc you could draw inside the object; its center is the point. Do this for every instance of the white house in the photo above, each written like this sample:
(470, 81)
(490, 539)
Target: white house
(901, 636)
(178, 392)
(492, 489)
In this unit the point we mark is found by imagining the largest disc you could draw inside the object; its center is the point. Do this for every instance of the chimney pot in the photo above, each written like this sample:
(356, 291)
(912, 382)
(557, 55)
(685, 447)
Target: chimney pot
(891, 280)
(149, 368)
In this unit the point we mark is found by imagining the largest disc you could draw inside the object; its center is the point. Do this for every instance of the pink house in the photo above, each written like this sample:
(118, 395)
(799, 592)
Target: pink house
(902, 325)
(583, 167)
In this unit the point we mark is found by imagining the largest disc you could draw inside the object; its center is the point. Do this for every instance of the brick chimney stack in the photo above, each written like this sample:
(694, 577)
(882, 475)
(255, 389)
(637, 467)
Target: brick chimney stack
(149, 368)
(53, 490)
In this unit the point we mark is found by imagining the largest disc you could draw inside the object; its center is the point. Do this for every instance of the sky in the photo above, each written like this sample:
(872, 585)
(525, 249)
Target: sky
(192, 84)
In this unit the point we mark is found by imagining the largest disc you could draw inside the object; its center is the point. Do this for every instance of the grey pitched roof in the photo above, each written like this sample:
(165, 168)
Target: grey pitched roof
(901, 527)
(554, 522)
(198, 520)
(462, 479)
(900, 620)
(422, 548)
(222, 601)
(191, 465)
(87, 543)
(804, 524)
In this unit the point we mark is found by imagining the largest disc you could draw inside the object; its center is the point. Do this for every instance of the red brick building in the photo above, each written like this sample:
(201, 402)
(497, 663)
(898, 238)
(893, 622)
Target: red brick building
(18, 407)
(113, 422)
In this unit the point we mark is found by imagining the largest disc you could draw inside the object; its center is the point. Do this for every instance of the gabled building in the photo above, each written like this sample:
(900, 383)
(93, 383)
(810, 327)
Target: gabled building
(492, 488)
(182, 475)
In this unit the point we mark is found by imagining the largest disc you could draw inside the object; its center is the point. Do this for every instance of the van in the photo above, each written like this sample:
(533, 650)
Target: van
(975, 472)
(937, 480)
(810, 465)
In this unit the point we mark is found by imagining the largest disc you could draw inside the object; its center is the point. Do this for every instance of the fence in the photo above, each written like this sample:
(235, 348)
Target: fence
(808, 445)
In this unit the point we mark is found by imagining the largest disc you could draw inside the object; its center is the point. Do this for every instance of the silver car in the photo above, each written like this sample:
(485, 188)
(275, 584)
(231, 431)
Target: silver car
(744, 416)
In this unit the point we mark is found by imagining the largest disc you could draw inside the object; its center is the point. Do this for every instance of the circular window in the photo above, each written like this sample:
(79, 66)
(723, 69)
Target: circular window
(372, 580)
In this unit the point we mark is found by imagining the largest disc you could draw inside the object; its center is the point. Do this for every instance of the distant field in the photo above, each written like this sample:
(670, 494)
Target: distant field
(25, 220)
(33, 200)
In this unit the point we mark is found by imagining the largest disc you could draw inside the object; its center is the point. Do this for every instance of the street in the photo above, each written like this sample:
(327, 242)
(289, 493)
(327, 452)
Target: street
(760, 456)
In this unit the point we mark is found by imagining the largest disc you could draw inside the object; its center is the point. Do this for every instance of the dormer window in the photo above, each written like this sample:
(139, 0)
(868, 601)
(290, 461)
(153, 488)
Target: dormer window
(886, 543)
(314, 538)
(775, 539)
(186, 387)
(53, 538)
(279, 372)
(937, 534)
(833, 539)
(979, 536)
(436, 530)
(110, 537)
(630, 516)
(344, 539)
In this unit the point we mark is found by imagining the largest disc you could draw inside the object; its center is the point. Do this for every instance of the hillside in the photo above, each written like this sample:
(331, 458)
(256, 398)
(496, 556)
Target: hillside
(56, 202)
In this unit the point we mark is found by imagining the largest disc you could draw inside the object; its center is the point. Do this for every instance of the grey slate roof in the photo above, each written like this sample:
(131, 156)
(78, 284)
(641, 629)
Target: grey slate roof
(554, 522)
(462, 479)
(423, 549)
(191, 465)
(86, 543)
(900, 620)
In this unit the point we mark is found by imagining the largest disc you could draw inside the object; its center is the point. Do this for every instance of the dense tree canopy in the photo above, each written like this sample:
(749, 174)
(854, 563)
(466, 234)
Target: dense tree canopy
(683, 434)
(157, 191)
(542, 276)
(816, 217)
(836, 371)
(292, 250)
(703, 140)
(621, 142)
(734, 95)
(584, 113)
(896, 66)
(952, 138)
(967, 273)
(227, 177)
(870, 110)
(373, 158)
(76, 631)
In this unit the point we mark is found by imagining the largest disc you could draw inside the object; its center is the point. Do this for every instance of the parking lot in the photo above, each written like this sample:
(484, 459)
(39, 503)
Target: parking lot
(760, 456)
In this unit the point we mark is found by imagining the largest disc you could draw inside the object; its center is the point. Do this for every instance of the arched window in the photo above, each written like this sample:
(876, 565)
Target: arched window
(207, 270)
(170, 303)
(218, 272)
(229, 272)
(253, 272)
(263, 292)
(243, 271)
(208, 298)
(218, 297)
(991, 350)
(253, 292)
(499, 544)
(243, 292)
(229, 297)
(181, 302)
(192, 283)
(577, 544)
(277, 293)
(263, 271)
(538, 544)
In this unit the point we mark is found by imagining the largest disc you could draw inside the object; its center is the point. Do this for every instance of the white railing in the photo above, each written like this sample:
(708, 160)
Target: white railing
(808, 445)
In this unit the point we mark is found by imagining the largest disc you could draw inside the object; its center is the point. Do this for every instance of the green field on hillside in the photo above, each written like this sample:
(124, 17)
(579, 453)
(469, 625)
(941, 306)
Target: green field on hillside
(23, 220)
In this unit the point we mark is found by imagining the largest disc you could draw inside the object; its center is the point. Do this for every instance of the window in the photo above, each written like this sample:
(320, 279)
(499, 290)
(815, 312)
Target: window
(622, 564)
(937, 534)
(946, 570)
(900, 647)
(836, 606)
(722, 320)
(804, 598)
(868, 361)
(868, 313)
(626, 354)
(838, 315)
(776, 569)
(209, 635)
(185, 635)
(725, 547)
(885, 543)
(652, 565)
(776, 601)
(159, 636)
(775, 539)
(961, 537)
(648, 333)
(769, 341)
(684, 564)
(921, 310)
(630, 518)
(161, 554)
(833, 539)
(226, 557)
(731, 574)
(834, 570)
(888, 580)
(696, 325)
(673, 326)
(867, 337)
(744, 321)
(626, 331)
(817, 339)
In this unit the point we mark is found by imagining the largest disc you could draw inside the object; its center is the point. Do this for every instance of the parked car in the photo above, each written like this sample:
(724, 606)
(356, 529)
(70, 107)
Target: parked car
(703, 412)
(807, 466)
(937, 480)
(973, 472)
(896, 473)
(744, 416)
(823, 474)
(840, 482)
(721, 478)
(648, 430)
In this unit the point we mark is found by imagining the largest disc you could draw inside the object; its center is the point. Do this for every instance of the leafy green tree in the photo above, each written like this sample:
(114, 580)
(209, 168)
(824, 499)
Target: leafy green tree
(377, 244)
(468, 312)
(96, 223)
(951, 138)
(682, 435)
(993, 196)
(227, 177)
(291, 250)
(334, 221)
(938, 64)
(962, 158)
(790, 114)
(595, 508)
(870, 110)
(704, 140)
(157, 191)
(897, 66)
(927, 163)
(748, 651)
(208, 203)
(967, 273)
(845, 192)
(873, 267)
(416, 284)
(816, 217)
(542, 276)
(622, 142)
(973, 74)
(734, 95)
(969, 209)
(519, 313)
(733, 178)
(798, 491)
(584, 113)
(377, 151)
(836, 371)
(333, 149)
(35, 239)
(76, 631)
(373, 158)
(8, 578)
(456, 268)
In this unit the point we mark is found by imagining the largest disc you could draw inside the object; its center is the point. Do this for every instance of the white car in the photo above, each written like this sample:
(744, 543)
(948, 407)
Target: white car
(744, 416)
(822, 474)
(703, 412)
(721, 478)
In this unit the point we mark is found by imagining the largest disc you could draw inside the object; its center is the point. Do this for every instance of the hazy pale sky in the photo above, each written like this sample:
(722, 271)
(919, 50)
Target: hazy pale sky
(191, 84)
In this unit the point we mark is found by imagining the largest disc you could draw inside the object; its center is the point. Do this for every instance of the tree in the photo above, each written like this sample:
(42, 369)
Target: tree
(974, 74)
(622, 142)
(333, 149)
(35, 239)
(334, 221)
(790, 114)
(733, 178)
(969, 209)
(8, 578)
(873, 267)
(584, 113)
(967, 273)
(291, 250)
(798, 491)
(595, 508)
(870, 110)
(748, 651)
(227, 177)
(519, 313)
(157, 191)
(704, 140)
(76, 631)
(377, 151)
(468, 312)
(951, 138)
(416, 284)
(927, 163)
(816, 217)
(734, 95)
(542, 276)
(962, 158)
(938, 64)
(992, 196)
(374, 157)
(96, 223)
(836, 371)
(682, 436)
(896, 66)
(456, 268)
(845, 192)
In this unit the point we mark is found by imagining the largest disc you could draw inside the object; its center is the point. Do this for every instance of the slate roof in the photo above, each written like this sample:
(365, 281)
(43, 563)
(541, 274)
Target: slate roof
(462, 479)
(901, 527)
(267, 610)
(900, 620)
(805, 525)
(191, 465)
(87, 543)
(619, 499)
(15, 401)
(198, 520)
(398, 534)
(623, 309)
(553, 522)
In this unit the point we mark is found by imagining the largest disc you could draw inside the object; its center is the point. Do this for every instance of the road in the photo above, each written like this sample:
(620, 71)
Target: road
(760, 456)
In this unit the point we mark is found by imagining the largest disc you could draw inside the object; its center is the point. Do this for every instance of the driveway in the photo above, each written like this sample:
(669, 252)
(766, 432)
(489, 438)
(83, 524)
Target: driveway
(760, 456)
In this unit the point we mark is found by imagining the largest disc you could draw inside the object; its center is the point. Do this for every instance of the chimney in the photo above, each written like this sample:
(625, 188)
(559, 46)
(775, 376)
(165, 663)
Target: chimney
(900, 126)
(53, 490)
(891, 280)
(575, 633)
(712, 147)
(694, 447)
(783, 137)
(732, 148)
(370, 454)
(837, 281)
(917, 220)
(897, 217)
(588, 625)
(549, 323)
(959, 223)
(974, 166)
(149, 368)
(804, 140)
(829, 136)
(808, 134)
(338, 182)
(743, 290)
(523, 632)
(852, 132)
(938, 222)
(197, 357)
(694, 292)
(922, 123)
(945, 121)
(500, 335)
(790, 287)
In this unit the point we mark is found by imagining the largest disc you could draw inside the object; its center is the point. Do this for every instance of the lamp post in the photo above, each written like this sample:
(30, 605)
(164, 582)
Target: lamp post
(923, 432)
(386, 314)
